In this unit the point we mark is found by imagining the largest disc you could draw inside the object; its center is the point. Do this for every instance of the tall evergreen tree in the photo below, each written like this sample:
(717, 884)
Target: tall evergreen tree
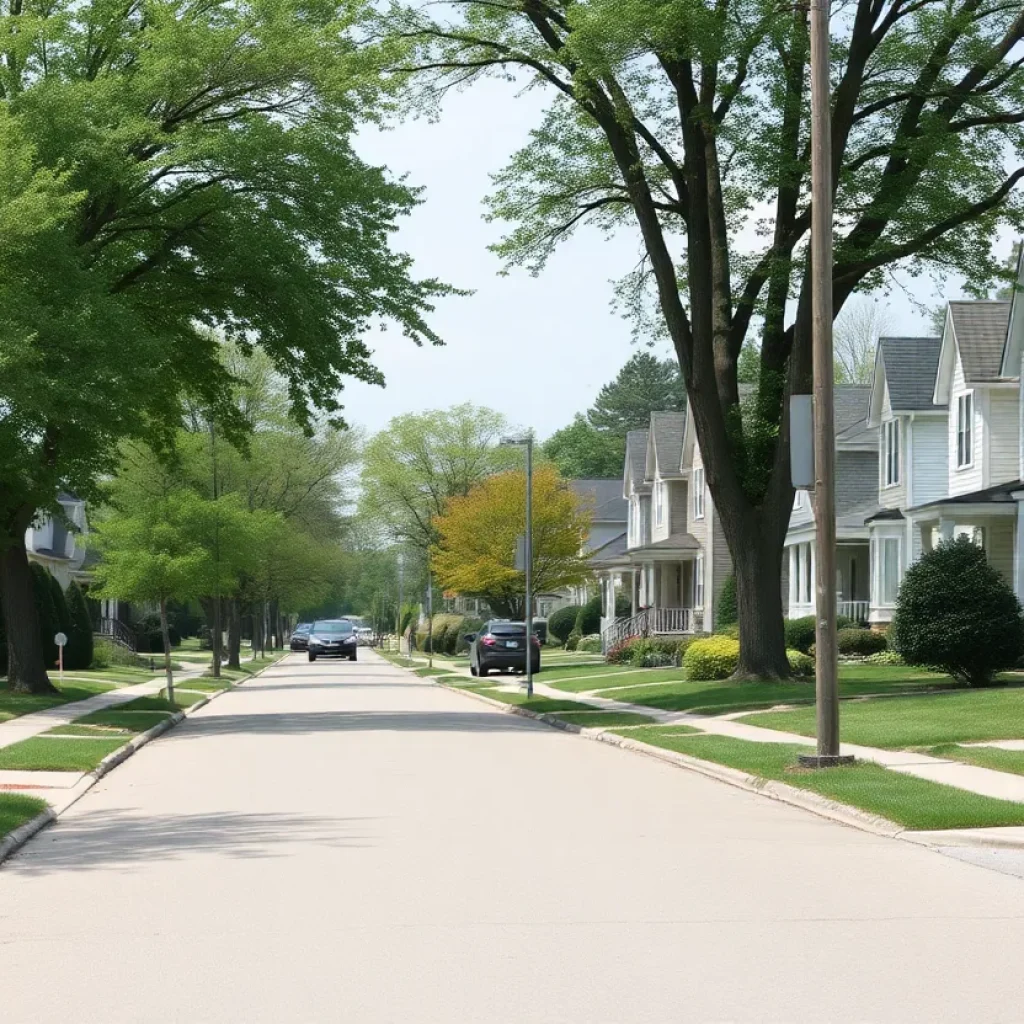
(78, 654)
(644, 385)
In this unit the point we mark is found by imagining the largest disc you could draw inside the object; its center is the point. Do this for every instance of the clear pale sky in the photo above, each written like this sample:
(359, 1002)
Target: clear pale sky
(536, 348)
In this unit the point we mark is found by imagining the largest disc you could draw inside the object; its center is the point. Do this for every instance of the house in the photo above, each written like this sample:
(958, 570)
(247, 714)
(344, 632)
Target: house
(674, 559)
(946, 415)
(58, 545)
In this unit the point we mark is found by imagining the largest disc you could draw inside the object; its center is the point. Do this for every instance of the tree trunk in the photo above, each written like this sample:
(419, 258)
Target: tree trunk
(26, 661)
(759, 608)
(216, 637)
(234, 634)
(275, 621)
(165, 630)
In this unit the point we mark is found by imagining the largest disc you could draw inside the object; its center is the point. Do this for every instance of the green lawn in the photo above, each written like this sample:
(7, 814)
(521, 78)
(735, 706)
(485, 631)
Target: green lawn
(124, 717)
(16, 809)
(139, 704)
(925, 721)
(183, 698)
(551, 672)
(204, 684)
(96, 731)
(41, 754)
(911, 802)
(984, 757)
(13, 705)
(536, 702)
(426, 672)
(627, 677)
(727, 696)
(603, 719)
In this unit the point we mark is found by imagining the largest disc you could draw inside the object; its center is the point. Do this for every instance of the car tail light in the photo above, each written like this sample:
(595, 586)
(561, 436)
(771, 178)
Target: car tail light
(487, 641)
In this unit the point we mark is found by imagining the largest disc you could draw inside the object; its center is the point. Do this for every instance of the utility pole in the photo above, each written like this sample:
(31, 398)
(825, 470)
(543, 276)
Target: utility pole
(401, 598)
(527, 443)
(430, 614)
(826, 648)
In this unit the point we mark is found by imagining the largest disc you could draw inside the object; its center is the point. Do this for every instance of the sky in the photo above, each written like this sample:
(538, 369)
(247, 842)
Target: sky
(539, 348)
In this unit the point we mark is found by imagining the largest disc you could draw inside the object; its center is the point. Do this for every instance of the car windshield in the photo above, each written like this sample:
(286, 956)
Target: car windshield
(332, 627)
(508, 629)
(303, 627)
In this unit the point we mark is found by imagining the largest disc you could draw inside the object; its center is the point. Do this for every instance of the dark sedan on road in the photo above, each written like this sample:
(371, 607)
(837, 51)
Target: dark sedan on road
(502, 646)
(332, 638)
(300, 636)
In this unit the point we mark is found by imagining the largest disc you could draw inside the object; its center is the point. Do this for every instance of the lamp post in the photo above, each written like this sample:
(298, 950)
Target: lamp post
(527, 443)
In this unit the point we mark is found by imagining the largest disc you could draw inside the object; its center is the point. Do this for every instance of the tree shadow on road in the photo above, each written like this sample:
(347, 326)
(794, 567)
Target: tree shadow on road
(119, 838)
(310, 722)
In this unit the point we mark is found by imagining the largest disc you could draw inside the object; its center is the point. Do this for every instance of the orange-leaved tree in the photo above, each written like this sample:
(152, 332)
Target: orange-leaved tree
(476, 551)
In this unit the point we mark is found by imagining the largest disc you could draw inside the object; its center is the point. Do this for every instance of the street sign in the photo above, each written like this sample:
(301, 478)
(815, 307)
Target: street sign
(60, 640)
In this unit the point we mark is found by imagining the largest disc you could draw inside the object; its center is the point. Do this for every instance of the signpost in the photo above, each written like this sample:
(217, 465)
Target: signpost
(60, 640)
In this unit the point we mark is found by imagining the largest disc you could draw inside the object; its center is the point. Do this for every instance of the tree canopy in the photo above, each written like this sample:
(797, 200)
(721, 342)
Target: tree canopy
(688, 122)
(477, 536)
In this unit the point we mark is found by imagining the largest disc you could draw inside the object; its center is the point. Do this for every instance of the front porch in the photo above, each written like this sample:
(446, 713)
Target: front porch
(853, 579)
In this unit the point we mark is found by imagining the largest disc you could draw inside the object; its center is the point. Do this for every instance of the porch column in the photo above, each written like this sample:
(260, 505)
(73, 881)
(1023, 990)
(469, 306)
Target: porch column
(632, 593)
(1018, 549)
(794, 576)
(813, 595)
(946, 527)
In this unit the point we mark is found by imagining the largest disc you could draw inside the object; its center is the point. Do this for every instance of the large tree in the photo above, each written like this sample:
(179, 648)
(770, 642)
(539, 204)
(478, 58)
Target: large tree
(478, 534)
(688, 121)
(171, 167)
(581, 450)
(420, 461)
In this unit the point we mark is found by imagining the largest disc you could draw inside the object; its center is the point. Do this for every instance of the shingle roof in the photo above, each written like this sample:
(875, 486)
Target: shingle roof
(980, 328)
(851, 408)
(614, 549)
(636, 454)
(668, 429)
(911, 365)
(606, 496)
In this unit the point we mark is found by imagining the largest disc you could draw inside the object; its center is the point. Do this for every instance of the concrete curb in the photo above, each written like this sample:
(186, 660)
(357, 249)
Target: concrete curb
(16, 839)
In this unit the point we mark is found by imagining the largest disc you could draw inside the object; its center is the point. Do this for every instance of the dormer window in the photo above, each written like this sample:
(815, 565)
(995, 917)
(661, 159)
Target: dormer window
(965, 431)
(891, 453)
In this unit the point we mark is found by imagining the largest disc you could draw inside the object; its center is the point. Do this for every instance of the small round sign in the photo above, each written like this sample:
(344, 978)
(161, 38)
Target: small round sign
(60, 639)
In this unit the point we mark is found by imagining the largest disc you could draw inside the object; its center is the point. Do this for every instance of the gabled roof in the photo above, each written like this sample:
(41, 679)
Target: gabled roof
(666, 442)
(606, 499)
(909, 366)
(610, 551)
(636, 461)
(980, 328)
(1014, 347)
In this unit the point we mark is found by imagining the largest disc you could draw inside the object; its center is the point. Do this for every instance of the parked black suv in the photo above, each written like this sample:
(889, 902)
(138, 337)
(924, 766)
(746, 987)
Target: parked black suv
(332, 638)
(502, 645)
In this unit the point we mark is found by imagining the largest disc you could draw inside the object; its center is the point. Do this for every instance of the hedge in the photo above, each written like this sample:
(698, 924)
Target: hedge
(79, 652)
(713, 658)
(727, 613)
(800, 633)
(562, 622)
(590, 644)
(855, 642)
(49, 624)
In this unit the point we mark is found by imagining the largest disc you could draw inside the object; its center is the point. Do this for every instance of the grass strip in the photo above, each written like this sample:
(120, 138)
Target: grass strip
(928, 720)
(908, 801)
(427, 672)
(631, 677)
(14, 705)
(536, 702)
(71, 754)
(16, 809)
(999, 760)
(603, 719)
(94, 731)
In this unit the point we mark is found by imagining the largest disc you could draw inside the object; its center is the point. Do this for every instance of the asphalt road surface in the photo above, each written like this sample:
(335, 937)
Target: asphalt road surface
(346, 843)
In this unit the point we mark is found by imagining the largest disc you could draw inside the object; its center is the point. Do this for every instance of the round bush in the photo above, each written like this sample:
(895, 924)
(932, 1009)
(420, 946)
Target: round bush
(588, 619)
(561, 623)
(590, 644)
(573, 639)
(956, 613)
(800, 664)
(713, 658)
(860, 643)
(800, 633)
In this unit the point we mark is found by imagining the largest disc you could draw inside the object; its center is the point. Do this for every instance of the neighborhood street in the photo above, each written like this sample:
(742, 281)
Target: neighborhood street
(347, 842)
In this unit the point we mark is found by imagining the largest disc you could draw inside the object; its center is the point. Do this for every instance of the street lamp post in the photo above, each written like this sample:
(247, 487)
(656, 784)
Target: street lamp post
(527, 443)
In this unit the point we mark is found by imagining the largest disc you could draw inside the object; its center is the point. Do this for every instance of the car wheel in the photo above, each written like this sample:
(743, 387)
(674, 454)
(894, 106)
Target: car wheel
(312, 657)
(472, 670)
(352, 656)
(482, 671)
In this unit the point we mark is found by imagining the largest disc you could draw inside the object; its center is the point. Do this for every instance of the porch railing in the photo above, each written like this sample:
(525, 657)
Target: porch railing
(121, 634)
(649, 621)
(856, 610)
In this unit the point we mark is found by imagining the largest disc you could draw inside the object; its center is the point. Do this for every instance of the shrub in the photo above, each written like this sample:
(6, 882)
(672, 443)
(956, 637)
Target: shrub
(591, 644)
(562, 622)
(60, 607)
(956, 613)
(573, 639)
(727, 614)
(48, 622)
(588, 619)
(3, 644)
(800, 633)
(732, 631)
(860, 643)
(79, 652)
(884, 658)
(713, 658)
(800, 664)
(468, 626)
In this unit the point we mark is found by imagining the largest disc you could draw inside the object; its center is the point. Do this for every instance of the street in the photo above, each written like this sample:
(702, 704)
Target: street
(339, 842)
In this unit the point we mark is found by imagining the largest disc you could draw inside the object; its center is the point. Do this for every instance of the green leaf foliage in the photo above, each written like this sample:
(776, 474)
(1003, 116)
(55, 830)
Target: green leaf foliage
(562, 622)
(78, 653)
(46, 612)
(956, 613)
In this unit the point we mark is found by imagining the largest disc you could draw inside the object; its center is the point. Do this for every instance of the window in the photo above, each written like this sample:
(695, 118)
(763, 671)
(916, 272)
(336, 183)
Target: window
(659, 502)
(965, 430)
(698, 582)
(698, 493)
(891, 452)
(889, 569)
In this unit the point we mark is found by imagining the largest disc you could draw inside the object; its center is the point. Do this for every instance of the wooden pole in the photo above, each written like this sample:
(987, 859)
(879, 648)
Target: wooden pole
(826, 656)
